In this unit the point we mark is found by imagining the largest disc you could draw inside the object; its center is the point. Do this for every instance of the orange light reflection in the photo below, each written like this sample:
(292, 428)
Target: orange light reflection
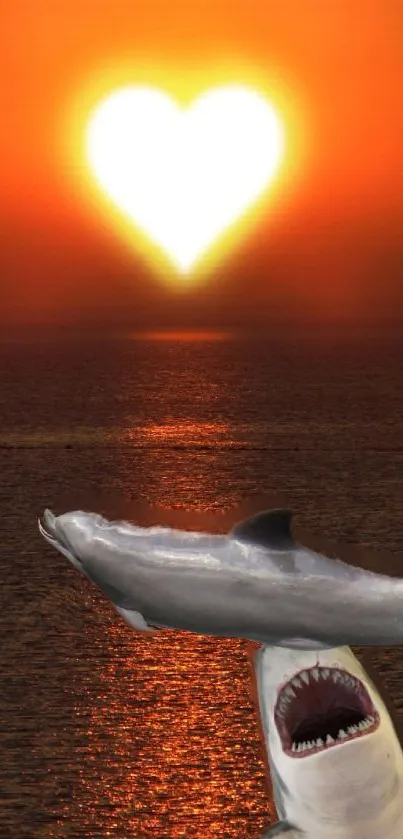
(187, 723)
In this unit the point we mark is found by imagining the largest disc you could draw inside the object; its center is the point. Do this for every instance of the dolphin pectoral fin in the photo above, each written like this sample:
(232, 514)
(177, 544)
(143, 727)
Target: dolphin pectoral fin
(283, 829)
(134, 619)
(302, 644)
(270, 529)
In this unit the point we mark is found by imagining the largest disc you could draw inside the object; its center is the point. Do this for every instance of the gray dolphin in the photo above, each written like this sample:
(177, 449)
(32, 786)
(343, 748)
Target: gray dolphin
(335, 760)
(255, 582)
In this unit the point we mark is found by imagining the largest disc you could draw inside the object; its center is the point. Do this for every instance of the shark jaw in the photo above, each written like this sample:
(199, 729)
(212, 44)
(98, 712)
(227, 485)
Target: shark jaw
(322, 707)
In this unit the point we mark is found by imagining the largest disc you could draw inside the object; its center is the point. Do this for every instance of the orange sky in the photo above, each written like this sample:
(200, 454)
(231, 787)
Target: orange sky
(331, 245)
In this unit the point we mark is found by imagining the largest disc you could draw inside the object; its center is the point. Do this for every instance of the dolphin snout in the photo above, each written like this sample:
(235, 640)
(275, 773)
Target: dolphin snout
(50, 522)
(56, 536)
(47, 527)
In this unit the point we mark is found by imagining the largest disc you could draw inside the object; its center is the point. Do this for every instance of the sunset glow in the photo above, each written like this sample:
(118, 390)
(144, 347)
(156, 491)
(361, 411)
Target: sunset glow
(315, 237)
(183, 176)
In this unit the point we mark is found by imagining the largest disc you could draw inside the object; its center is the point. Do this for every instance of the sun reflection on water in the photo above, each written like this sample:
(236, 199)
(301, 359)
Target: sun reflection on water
(184, 432)
(186, 725)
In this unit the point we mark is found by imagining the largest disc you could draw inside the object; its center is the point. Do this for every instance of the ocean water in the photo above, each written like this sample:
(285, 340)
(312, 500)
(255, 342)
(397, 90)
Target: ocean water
(109, 733)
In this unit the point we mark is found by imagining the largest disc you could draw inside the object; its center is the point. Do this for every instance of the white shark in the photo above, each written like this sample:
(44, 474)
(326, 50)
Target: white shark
(335, 759)
(254, 582)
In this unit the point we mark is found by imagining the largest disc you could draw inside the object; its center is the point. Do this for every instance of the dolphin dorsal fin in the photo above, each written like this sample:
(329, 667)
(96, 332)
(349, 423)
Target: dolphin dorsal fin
(269, 529)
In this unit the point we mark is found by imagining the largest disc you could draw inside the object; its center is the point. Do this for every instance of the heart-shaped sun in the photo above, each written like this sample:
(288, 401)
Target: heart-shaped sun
(184, 176)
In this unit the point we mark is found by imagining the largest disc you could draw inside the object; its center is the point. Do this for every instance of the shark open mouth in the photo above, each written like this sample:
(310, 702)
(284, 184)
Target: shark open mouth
(320, 708)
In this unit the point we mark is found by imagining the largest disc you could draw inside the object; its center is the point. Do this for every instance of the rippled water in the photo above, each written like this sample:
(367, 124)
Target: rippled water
(107, 733)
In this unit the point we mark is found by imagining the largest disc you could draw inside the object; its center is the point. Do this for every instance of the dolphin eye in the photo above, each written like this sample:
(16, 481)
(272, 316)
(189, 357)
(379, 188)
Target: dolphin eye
(323, 707)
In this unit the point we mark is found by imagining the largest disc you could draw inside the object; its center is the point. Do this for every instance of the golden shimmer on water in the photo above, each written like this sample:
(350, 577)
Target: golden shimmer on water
(181, 433)
(187, 732)
(163, 727)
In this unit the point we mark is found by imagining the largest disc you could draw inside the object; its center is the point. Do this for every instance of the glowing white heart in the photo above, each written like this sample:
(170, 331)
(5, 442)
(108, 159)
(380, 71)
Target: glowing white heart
(184, 176)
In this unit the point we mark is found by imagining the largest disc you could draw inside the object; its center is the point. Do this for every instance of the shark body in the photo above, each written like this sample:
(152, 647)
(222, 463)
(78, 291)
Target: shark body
(335, 759)
(255, 582)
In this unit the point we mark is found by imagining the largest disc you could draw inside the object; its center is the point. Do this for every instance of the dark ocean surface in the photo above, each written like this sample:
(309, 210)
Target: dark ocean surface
(108, 733)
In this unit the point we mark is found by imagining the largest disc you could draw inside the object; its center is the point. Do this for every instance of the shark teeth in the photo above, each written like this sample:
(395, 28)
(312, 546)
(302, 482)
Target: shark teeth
(319, 744)
(314, 676)
(328, 704)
